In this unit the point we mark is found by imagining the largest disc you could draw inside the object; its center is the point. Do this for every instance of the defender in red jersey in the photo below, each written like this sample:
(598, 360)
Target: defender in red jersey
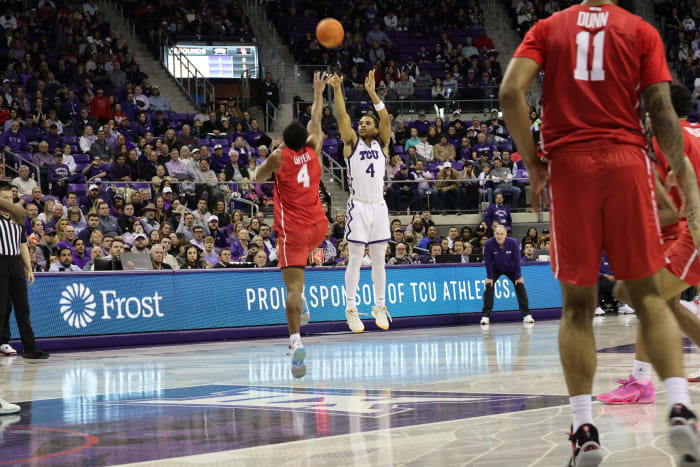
(682, 266)
(598, 61)
(300, 223)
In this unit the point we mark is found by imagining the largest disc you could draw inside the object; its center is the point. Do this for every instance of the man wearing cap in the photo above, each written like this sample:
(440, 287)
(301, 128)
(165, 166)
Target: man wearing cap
(219, 160)
(30, 130)
(58, 174)
(220, 239)
(167, 195)
(24, 183)
(89, 201)
(422, 125)
(157, 101)
(149, 221)
(140, 244)
(400, 189)
(447, 188)
(207, 184)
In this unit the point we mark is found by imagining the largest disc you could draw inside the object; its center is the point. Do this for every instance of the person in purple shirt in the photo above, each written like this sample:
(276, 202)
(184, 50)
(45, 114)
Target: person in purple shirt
(30, 130)
(96, 169)
(53, 138)
(13, 140)
(219, 160)
(498, 212)
(400, 187)
(482, 147)
(502, 258)
(422, 125)
(58, 175)
(606, 282)
(119, 171)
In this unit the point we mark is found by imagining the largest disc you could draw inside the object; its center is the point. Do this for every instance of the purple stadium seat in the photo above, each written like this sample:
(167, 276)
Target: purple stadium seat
(81, 158)
(77, 187)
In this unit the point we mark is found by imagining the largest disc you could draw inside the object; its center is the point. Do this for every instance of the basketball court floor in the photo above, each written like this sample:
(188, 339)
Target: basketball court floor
(451, 396)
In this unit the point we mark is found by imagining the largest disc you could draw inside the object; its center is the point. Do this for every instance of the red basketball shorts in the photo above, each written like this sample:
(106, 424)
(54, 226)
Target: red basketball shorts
(683, 257)
(602, 199)
(293, 248)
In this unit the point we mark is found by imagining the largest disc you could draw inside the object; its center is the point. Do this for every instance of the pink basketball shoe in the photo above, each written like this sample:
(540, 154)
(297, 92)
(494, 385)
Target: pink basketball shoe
(630, 391)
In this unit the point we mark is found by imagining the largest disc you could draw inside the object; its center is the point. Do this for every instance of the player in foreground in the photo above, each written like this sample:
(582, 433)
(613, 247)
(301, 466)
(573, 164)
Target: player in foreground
(300, 223)
(601, 189)
(682, 270)
(367, 214)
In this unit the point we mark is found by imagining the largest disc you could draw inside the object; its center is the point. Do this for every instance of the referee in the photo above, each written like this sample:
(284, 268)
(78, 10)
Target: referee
(15, 271)
(502, 258)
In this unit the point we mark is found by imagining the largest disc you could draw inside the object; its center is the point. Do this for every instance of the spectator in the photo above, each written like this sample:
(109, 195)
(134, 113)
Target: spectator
(108, 224)
(186, 225)
(119, 171)
(404, 88)
(483, 147)
(157, 258)
(219, 160)
(438, 91)
(58, 175)
(435, 250)
(485, 184)
(468, 50)
(101, 147)
(502, 180)
(96, 169)
(528, 252)
(100, 107)
(65, 261)
(157, 102)
(424, 148)
(401, 255)
(431, 236)
(140, 244)
(23, 182)
(193, 258)
(80, 256)
(502, 257)
(450, 84)
(413, 140)
(207, 183)
(376, 35)
(224, 260)
(14, 141)
(424, 80)
(444, 151)
(269, 97)
(498, 213)
(447, 188)
(422, 189)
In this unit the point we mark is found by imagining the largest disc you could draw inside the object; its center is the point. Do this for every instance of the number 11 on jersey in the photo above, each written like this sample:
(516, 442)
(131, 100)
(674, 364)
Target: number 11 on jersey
(583, 41)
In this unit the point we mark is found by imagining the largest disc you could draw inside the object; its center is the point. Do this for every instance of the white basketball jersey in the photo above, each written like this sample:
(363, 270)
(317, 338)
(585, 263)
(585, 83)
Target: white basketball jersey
(366, 170)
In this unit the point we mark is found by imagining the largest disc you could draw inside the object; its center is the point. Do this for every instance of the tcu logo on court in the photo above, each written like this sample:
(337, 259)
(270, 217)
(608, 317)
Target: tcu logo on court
(79, 307)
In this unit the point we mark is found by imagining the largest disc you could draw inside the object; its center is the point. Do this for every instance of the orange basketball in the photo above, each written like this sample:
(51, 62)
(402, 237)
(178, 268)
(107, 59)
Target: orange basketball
(330, 33)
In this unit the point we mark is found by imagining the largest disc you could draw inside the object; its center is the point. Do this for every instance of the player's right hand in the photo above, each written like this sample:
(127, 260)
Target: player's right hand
(335, 80)
(320, 81)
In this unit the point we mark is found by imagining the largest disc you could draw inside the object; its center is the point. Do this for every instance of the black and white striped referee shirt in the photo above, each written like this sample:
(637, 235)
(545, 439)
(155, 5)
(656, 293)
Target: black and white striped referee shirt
(11, 237)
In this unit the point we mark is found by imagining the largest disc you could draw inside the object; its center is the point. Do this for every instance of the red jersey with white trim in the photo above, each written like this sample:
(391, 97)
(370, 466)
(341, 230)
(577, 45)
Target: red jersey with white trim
(596, 61)
(297, 202)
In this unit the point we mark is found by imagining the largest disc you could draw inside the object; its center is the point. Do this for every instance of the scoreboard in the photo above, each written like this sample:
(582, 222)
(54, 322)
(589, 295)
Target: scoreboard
(213, 61)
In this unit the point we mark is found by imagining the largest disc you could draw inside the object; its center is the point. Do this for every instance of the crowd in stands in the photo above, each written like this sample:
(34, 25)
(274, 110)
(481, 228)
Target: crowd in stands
(418, 50)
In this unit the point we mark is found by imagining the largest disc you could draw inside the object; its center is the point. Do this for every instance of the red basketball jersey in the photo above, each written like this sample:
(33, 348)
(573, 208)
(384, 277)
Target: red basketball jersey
(596, 61)
(691, 142)
(297, 203)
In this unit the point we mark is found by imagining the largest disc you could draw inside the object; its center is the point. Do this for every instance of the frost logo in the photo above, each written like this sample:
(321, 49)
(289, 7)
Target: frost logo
(77, 305)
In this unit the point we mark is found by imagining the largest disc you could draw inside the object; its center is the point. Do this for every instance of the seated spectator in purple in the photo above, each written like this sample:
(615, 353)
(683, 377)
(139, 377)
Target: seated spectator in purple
(210, 256)
(244, 152)
(13, 140)
(58, 175)
(159, 124)
(239, 247)
(69, 236)
(129, 107)
(143, 125)
(498, 213)
(502, 180)
(30, 130)
(80, 256)
(119, 171)
(219, 160)
(96, 169)
(482, 147)
(149, 221)
(255, 137)
(434, 250)
(176, 167)
(400, 192)
(422, 125)
(219, 236)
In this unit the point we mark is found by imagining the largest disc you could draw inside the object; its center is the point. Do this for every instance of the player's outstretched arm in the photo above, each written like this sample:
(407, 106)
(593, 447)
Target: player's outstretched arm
(384, 123)
(271, 164)
(314, 127)
(517, 81)
(669, 136)
(347, 134)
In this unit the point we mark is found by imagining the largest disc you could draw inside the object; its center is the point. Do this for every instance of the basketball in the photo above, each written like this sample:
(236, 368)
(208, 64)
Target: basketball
(330, 33)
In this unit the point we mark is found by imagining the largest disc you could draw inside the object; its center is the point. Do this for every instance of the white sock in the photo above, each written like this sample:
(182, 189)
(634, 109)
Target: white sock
(352, 273)
(641, 371)
(377, 251)
(677, 391)
(295, 340)
(582, 409)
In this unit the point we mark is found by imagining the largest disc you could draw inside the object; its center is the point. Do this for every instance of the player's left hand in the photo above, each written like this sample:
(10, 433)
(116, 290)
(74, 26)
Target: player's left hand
(369, 81)
(30, 277)
(520, 281)
(538, 176)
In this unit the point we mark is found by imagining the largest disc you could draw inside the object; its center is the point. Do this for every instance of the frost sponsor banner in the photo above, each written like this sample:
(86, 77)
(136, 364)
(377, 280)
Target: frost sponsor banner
(89, 304)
